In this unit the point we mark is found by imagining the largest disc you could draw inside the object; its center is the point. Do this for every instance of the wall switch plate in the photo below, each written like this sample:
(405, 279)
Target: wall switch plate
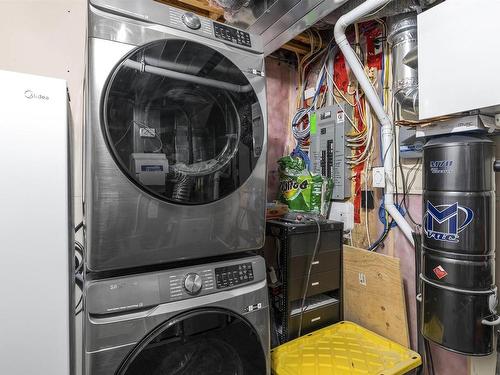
(309, 93)
(378, 178)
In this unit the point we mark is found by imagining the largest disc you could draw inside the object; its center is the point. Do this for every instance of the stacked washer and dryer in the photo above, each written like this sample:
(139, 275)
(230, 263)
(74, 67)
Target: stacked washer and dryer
(175, 180)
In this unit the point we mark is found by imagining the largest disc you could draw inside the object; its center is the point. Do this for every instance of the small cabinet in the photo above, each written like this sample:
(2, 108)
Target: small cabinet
(289, 251)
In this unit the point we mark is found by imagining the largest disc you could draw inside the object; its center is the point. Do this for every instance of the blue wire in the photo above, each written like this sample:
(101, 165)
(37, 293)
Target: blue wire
(298, 152)
(299, 115)
(381, 214)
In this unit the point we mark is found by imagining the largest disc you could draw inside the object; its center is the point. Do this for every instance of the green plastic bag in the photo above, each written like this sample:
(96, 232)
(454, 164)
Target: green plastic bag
(301, 190)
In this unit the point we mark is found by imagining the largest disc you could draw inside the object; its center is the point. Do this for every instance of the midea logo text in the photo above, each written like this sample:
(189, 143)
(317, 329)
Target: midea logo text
(32, 95)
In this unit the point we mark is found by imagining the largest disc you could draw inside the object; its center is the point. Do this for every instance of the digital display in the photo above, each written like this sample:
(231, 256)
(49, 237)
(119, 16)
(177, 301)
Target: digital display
(232, 35)
(233, 275)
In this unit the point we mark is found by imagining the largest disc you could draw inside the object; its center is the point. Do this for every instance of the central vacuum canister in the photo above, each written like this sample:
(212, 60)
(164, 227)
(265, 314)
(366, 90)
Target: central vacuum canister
(459, 296)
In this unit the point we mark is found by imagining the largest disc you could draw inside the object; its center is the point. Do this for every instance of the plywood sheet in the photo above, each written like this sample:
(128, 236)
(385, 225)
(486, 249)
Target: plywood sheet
(374, 294)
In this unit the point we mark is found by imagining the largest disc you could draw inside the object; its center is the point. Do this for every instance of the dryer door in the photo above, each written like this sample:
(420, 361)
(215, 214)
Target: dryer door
(182, 121)
(207, 341)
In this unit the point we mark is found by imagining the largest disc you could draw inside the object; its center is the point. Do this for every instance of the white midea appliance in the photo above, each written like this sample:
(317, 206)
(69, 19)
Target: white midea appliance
(36, 235)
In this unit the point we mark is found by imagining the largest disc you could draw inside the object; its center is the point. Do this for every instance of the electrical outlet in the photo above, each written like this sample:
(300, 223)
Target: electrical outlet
(343, 212)
(378, 178)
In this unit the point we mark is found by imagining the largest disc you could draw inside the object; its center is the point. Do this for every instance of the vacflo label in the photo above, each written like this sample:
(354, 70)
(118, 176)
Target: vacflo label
(444, 222)
(442, 166)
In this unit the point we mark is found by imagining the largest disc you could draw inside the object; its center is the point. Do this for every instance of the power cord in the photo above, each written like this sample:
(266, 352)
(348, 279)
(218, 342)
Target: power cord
(428, 357)
(79, 263)
(306, 286)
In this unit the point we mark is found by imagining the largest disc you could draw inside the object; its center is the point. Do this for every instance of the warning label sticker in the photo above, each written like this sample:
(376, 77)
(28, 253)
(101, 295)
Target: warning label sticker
(440, 272)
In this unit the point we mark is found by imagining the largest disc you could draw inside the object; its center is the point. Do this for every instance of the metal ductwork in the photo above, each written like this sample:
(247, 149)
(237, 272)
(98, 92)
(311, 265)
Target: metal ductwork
(278, 22)
(403, 40)
(391, 9)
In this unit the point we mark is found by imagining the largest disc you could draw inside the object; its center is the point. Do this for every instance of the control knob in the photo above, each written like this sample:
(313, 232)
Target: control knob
(193, 283)
(191, 20)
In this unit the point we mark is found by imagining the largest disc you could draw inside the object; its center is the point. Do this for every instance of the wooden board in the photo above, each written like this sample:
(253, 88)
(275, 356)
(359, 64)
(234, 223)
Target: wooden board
(374, 294)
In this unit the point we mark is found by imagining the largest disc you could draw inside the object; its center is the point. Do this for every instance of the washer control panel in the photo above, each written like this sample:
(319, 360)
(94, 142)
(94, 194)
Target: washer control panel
(193, 283)
(147, 290)
(232, 35)
(182, 285)
(232, 275)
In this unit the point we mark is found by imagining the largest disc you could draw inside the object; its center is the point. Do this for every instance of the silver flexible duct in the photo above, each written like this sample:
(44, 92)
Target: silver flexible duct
(403, 39)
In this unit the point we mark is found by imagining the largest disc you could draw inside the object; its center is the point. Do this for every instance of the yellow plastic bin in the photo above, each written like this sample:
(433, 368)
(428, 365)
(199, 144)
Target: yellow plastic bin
(343, 348)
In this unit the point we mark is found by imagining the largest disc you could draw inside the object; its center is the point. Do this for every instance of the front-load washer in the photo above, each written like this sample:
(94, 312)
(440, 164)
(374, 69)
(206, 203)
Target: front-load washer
(206, 319)
(175, 143)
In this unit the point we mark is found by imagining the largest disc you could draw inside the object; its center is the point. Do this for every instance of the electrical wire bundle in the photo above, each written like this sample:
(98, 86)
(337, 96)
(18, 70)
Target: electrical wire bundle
(300, 123)
(79, 261)
(361, 138)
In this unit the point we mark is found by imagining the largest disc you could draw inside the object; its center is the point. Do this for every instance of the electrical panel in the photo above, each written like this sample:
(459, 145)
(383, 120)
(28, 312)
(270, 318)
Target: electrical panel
(328, 149)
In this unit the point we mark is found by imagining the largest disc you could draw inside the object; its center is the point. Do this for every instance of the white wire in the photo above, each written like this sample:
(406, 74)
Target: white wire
(376, 11)
(301, 135)
(369, 119)
(365, 139)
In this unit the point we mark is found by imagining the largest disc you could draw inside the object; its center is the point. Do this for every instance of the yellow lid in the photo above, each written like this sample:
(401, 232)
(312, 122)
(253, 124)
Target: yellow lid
(343, 348)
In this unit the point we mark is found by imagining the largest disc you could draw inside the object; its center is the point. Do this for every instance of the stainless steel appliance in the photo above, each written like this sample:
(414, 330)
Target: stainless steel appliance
(175, 137)
(459, 296)
(206, 319)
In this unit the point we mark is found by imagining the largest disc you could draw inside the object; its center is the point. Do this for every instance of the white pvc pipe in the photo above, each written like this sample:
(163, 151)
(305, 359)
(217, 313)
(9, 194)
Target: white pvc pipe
(388, 136)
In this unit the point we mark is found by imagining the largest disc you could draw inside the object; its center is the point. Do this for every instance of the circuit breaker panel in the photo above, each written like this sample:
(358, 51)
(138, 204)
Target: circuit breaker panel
(328, 149)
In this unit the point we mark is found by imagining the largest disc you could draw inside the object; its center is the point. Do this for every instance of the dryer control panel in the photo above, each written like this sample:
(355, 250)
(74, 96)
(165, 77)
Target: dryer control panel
(232, 35)
(233, 275)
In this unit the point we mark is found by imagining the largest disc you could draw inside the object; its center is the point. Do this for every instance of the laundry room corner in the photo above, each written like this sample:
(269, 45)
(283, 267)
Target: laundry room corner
(249, 187)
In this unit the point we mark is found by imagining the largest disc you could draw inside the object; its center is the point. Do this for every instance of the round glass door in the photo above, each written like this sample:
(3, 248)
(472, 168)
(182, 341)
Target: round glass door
(212, 342)
(182, 121)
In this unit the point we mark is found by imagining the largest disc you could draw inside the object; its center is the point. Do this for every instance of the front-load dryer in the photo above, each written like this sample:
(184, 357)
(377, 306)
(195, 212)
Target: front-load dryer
(206, 319)
(175, 138)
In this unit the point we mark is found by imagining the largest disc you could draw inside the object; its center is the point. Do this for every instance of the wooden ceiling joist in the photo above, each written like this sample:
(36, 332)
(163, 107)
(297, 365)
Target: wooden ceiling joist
(201, 7)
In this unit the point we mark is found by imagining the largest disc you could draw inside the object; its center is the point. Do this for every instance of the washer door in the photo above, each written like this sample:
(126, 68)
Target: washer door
(182, 121)
(216, 342)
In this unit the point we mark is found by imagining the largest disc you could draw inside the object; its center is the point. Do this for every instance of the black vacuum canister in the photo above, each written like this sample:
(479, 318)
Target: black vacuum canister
(459, 296)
